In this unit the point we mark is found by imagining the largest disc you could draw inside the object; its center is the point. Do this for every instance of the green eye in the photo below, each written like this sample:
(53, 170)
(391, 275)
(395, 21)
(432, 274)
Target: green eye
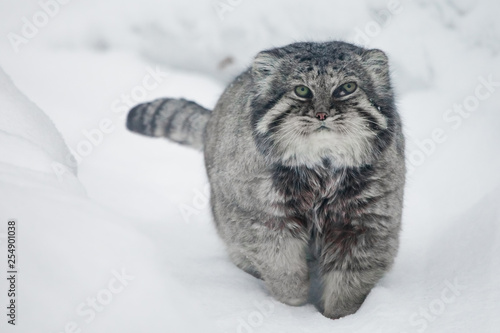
(303, 91)
(345, 89)
(349, 87)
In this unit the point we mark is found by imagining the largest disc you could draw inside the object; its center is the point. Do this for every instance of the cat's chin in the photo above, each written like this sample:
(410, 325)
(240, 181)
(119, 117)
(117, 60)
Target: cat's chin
(325, 144)
(322, 129)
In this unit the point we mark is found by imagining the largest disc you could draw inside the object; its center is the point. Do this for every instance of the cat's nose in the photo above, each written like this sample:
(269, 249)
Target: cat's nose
(321, 115)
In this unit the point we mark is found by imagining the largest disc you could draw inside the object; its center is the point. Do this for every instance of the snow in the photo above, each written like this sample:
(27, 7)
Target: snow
(138, 204)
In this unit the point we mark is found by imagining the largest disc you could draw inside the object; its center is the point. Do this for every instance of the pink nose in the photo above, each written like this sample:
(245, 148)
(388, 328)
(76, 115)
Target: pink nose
(321, 115)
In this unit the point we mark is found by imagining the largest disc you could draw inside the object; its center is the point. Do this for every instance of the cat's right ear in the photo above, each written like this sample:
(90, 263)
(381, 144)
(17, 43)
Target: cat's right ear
(266, 63)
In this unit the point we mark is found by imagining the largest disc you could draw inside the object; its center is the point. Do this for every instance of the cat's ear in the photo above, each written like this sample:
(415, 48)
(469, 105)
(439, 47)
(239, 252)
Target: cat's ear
(266, 63)
(377, 64)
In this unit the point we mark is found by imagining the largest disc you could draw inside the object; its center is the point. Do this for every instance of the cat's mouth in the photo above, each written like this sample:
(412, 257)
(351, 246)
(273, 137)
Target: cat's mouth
(323, 127)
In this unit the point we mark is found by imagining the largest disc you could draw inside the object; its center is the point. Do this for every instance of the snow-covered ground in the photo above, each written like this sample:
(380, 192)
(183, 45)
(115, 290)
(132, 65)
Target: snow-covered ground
(126, 243)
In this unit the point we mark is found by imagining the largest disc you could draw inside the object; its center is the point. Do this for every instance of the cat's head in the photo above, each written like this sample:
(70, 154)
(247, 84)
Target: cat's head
(313, 102)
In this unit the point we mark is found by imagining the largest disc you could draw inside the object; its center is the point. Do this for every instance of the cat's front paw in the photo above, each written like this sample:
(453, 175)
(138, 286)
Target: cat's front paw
(293, 301)
(294, 292)
(333, 313)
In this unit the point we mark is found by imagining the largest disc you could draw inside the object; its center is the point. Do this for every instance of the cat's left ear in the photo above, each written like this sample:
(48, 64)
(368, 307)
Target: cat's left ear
(377, 65)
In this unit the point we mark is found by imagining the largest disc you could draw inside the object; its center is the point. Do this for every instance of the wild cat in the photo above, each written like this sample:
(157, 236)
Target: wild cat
(305, 156)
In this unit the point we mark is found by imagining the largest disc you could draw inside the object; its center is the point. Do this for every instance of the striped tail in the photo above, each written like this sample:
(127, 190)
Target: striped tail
(179, 120)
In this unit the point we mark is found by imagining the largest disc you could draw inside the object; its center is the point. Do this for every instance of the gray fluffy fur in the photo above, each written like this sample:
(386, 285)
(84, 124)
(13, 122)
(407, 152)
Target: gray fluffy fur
(292, 193)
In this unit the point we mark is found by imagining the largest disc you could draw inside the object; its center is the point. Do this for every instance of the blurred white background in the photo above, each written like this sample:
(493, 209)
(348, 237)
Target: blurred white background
(139, 205)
